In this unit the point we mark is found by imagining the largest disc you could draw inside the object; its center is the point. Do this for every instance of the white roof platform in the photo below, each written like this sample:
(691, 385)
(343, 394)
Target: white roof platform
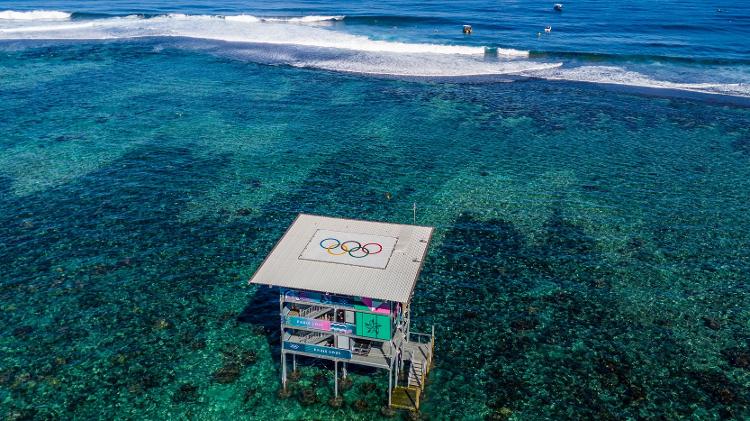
(347, 257)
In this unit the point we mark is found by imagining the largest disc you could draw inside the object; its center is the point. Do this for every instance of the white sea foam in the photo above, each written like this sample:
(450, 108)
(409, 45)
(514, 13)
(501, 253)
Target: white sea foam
(306, 19)
(31, 31)
(300, 19)
(615, 75)
(243, 18)
(34, 15)
(424, 65)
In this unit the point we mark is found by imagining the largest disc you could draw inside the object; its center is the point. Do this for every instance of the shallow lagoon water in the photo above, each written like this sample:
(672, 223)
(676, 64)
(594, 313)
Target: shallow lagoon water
(591, 256)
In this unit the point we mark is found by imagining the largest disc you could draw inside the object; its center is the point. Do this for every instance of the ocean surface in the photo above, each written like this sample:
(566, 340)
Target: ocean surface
(589, 187)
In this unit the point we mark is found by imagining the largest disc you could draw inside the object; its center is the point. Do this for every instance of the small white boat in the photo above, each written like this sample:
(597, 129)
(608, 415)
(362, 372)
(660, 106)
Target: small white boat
(558, 7)
(548, 29)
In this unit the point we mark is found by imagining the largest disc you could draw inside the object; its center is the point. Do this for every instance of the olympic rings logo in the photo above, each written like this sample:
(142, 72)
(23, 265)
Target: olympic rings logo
(355, 249)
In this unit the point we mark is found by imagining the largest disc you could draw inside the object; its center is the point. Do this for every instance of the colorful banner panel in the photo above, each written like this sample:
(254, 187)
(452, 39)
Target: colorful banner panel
(326, 325)
(373, 326)
(359, 303)
(325, 351)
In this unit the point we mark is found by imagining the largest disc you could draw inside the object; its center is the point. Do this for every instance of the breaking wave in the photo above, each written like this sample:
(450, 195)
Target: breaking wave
(34, 15)
(238, 28)
(311, 42)
(295, 41)
(305, 19)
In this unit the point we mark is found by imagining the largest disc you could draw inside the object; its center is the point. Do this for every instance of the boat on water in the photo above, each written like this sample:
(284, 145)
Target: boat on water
(558, 7)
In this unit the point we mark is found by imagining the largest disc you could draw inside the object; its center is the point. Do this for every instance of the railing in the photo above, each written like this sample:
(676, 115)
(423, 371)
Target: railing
(312, 336)
(420, 338)
(311, 310)
(432, 343)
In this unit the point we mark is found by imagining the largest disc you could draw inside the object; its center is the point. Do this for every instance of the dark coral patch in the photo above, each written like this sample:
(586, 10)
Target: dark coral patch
(229, 373)
(742, 145)
(737, 357)
(186, 393)
(308, 396)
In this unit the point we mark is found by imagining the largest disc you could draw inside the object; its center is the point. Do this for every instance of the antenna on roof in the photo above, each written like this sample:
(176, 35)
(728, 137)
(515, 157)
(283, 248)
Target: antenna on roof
(414, 208)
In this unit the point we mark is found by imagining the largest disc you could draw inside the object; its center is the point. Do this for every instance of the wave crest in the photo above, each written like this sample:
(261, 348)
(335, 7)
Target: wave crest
(306, 19)
(34, 15)
(235, 29)
(303, 42)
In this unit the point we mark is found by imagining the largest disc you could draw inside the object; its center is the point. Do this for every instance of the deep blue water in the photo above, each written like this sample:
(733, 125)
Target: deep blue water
(686, 29)
(592, 247)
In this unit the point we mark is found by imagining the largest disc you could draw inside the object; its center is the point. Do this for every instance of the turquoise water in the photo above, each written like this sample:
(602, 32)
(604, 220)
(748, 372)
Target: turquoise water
(590, 261)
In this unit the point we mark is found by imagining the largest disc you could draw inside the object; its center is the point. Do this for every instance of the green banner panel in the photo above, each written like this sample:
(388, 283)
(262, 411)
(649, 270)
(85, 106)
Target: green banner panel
(359, 321)
(373, 326)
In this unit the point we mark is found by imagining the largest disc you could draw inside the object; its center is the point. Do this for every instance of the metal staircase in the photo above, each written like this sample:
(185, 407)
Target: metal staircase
(418, 349)
(314, 337)
(313, 312)
(416, 374)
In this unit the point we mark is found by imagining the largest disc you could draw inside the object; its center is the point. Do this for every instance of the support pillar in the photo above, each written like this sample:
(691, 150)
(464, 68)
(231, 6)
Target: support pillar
(294, 363)
(390, 386)
(343, 367)
(394, 374)
(335, 378)
(281, 328)
(283, 370)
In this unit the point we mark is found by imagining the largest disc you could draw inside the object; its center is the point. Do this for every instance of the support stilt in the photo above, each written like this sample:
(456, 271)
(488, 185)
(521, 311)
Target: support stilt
(395, 375)
(390, 386)
(336, 379)
(283, 371)
(294, 362)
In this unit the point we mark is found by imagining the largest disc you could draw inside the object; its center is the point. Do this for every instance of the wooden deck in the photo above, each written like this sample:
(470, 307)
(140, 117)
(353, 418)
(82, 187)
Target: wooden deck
(406, 398)
(377, 357)
(414, 351)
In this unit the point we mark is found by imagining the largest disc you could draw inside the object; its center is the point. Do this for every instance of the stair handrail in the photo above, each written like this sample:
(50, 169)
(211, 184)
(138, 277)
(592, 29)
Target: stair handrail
(432, 342)
(310, 336)
(420, 337)
(309, 310)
